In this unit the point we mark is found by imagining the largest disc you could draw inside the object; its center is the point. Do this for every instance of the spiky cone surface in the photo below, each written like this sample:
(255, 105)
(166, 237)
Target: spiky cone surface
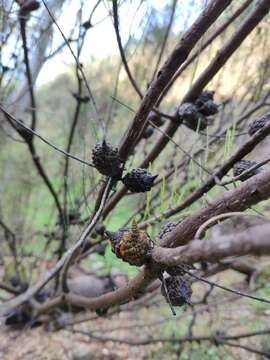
(191, 117)
(178, 290)
(243, 165)
(208, 108)
(166, 229)
(205, 96)
(188, 112)
(115, 239)
(205, 103)
(258, 124)
(200, 124)
(106, 159)
(156, 119)
(163, 232)
(131, 245)
(139, 180)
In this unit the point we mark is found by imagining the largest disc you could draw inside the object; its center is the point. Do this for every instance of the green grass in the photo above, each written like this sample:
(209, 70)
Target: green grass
(264, 293)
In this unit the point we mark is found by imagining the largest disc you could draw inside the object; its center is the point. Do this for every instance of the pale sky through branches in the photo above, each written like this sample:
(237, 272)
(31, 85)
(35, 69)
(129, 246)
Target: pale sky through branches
(100, 40)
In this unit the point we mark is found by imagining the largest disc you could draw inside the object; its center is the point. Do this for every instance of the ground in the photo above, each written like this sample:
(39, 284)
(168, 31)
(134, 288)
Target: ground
(225, 311)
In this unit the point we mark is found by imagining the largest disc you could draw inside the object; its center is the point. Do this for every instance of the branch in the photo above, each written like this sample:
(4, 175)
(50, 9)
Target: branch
(214, 179)
(76, 60)
(165, 38)
(19, 300)
(249, 193)
(216, 64)
(209, 41)
(254, 240)
(13, 119)
(176, 58)
(215, 339)
(28, 72)
(121, 50)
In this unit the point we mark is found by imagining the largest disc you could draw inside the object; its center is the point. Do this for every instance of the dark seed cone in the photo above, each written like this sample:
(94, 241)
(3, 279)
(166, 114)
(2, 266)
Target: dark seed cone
(73, 215)
(258, 124)
(156, 119)
(199, 125)
(26, 134)
(101, 311)
(163, 233)
(100, 229)
(166, 229)
(87, 24)
(106, 159)
(28, 6)
(208, 108)
(131, 245)
(191, 117)
(205, 103)
(188, 112)
(139, 180)
(18, 318)
(100, 249)
(148, 132)
(204, 97)
(178, 290)
(243, 165)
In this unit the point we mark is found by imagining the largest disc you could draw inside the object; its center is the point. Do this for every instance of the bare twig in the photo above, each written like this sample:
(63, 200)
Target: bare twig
(76, 60)
(28, 72)
(12, 118)
(6, 307)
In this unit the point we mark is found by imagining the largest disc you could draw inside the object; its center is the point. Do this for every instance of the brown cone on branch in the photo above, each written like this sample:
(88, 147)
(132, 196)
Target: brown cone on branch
(131, 245)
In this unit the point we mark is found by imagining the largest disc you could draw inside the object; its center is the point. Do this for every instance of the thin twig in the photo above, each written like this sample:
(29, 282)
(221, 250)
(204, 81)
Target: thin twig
(11, 117)
(76, 60)
(19, 300)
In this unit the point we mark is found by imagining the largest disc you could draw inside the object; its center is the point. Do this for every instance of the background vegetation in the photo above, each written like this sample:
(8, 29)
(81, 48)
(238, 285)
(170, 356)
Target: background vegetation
(51, 97)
